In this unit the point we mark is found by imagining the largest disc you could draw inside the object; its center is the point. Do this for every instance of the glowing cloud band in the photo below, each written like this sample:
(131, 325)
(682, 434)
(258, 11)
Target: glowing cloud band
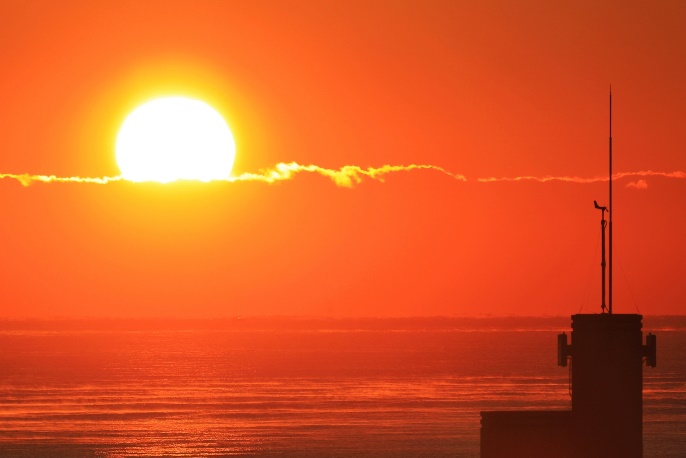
(568, 179)
(350, 175)
(28, 179)
(346, 176)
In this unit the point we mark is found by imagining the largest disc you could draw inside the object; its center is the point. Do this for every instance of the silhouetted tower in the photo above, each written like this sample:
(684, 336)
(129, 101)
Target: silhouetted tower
(607, 384)
(607, 370)
(607, 354)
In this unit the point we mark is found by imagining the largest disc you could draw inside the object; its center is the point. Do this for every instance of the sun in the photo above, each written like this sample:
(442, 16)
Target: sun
(175, 138)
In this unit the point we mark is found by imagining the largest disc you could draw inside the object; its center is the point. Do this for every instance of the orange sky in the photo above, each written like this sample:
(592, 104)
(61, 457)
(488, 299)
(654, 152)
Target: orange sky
(483, 89)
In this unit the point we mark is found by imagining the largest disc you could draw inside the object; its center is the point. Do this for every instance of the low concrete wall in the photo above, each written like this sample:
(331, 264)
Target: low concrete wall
(528, 433)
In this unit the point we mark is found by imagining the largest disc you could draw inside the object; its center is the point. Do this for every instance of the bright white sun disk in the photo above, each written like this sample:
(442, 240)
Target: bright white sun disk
(175, 138)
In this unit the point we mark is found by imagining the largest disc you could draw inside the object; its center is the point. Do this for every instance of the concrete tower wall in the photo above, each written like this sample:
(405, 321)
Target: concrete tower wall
(607, 383)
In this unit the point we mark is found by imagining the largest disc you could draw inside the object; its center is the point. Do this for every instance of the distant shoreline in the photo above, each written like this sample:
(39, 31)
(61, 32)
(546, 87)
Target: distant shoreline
(305, 323)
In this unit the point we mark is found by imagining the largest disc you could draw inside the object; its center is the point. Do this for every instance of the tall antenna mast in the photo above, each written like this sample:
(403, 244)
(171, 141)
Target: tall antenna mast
(610, 215)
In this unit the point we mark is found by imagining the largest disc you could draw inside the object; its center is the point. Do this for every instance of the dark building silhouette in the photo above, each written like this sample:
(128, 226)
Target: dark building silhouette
(526, 433)
(607, 355)
(607, 384)
(606, 419)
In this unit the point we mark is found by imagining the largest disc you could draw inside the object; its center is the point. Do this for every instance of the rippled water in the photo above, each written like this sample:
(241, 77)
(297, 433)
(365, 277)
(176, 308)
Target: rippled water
(293, 387)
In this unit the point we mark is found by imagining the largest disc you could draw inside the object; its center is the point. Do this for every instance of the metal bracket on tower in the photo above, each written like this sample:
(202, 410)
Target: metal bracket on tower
(564, 350)
(650, 350)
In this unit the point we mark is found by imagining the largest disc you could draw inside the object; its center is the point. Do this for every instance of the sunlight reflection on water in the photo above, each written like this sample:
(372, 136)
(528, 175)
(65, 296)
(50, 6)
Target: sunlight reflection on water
(249, 393)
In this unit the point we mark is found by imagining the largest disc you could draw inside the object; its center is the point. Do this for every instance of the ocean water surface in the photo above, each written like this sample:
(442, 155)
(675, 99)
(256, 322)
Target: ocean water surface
(300, 387)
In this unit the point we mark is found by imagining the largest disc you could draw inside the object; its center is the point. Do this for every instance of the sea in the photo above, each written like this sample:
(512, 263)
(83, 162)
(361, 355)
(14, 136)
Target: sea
(297, 386)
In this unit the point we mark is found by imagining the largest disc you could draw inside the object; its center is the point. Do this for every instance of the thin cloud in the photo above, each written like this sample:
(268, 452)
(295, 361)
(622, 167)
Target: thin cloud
(640, 184)
(575, 179)
(347, 176)
(350, 175)
(28, 179)
(543, 179)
